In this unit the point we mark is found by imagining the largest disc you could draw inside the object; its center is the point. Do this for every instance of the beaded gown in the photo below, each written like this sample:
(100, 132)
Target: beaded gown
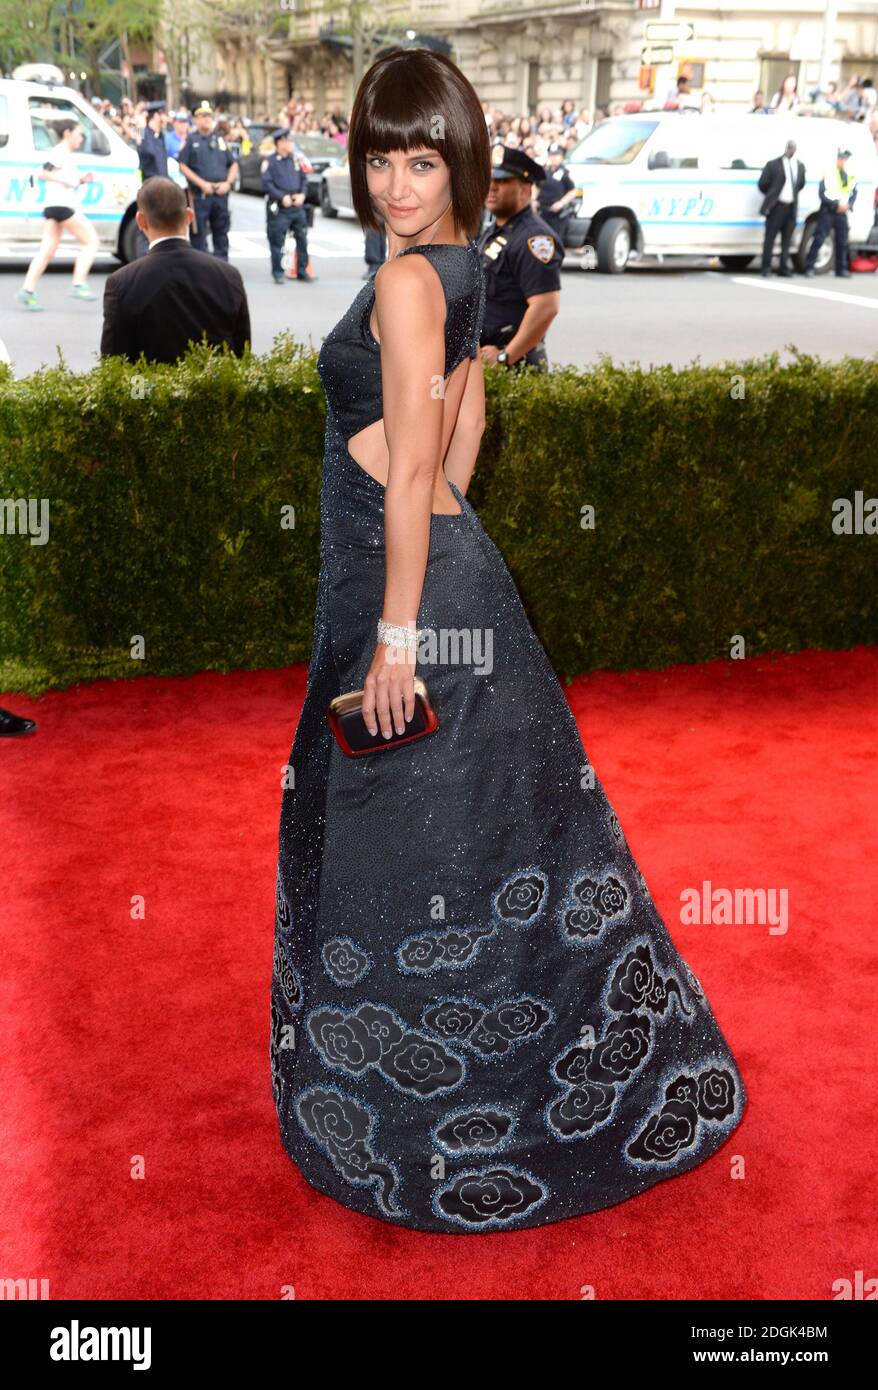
(479, 1021)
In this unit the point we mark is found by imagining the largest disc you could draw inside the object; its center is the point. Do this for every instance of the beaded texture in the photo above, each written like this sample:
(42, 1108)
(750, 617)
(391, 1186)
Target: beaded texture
(479, 1020)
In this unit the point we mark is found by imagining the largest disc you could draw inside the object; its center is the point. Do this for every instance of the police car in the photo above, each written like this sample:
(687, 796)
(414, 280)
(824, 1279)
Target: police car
(662, 184)
(28, 112)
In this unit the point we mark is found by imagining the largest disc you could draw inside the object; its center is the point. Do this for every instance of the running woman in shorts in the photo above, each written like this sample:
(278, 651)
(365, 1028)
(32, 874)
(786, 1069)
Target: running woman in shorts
(61, 214)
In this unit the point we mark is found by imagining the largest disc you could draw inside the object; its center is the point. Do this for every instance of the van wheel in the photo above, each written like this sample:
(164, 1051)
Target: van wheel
(128, 242)
(735, 262)
(825, 255)
(325, 205)
(614, 246)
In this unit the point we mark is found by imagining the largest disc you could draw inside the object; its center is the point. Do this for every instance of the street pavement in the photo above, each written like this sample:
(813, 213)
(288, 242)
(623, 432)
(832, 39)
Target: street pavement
(674, 313)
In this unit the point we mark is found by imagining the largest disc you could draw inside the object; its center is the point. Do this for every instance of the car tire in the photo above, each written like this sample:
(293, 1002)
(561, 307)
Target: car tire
(614, 246)
(325, 204)
(127, 251)
(735, 262)
(825, 256)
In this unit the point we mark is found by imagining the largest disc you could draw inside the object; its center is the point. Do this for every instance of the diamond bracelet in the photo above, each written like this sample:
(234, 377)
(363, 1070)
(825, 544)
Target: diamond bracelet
(398, 635)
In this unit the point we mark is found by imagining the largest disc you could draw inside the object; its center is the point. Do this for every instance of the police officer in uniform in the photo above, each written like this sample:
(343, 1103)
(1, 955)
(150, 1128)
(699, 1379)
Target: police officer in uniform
(153, 155)
(556, 191)
(285, 186)
(210, 170)
(838, 192)
(521, 257)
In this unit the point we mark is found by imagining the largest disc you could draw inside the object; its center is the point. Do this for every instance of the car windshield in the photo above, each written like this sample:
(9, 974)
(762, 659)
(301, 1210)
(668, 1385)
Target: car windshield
(612, 142)
(316, 144)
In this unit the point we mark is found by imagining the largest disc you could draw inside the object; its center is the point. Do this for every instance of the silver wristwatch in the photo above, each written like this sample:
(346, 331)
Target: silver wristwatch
(501, 356)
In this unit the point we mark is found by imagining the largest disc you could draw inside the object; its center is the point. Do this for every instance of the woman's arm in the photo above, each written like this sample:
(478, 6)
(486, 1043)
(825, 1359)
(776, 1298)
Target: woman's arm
(410, 309)
(53, 175)
(463, 448)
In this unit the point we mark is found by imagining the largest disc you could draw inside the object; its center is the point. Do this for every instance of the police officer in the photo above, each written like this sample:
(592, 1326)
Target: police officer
(285, 185)
(556, 191)
(153, 155)
(837, 193)
(210, 170)
(521, 257)
(177, 133)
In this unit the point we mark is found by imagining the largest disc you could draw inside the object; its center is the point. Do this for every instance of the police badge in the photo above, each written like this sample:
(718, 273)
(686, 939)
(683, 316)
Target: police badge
(543, 247)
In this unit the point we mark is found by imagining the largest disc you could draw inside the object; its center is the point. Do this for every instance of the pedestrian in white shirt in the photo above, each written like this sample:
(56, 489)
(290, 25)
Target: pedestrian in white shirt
(62, 176)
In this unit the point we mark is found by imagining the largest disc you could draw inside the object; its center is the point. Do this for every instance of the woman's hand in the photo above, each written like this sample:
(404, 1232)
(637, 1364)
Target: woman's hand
(389, 690)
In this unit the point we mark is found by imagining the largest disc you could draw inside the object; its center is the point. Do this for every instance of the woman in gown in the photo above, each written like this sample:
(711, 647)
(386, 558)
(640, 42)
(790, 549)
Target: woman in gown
(479, 1021)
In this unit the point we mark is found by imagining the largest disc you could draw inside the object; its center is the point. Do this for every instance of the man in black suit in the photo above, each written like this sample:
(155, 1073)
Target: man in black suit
(782, 180)
(171, 296)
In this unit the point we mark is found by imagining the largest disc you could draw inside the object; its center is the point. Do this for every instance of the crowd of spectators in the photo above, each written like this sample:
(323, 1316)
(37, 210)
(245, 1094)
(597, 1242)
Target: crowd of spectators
(563, 125)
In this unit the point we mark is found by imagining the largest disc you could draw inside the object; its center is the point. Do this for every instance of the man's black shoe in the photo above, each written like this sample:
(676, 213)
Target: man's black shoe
(784, 271)
(13, 725)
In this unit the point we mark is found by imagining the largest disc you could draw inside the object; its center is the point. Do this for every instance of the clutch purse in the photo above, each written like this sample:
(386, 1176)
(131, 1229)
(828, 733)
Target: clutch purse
(345, 716)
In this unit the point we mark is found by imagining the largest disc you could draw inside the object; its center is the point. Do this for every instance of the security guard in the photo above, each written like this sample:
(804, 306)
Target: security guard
(210, 170)
(521, 257)
(285, 185)
(837, 193)
(153, 155)
(556, 191)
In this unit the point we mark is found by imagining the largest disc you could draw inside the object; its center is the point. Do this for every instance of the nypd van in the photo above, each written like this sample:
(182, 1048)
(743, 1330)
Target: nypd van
(659, 184)
(28, 113)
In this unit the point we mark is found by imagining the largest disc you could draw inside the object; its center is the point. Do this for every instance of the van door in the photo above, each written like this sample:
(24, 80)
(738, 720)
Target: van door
(673, 204)
(740, 152)
(96, 200)
(15, 194)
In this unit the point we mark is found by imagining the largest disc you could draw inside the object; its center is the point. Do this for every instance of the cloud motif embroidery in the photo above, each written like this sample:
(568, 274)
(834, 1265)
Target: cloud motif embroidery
(591, 903)
(451, 949)
(376, 1037)
(594, 1075)
(344, 961)
(343, 1128)
(287, 976)
(711, 1096)
(637, 984)
(489, 1197)
(468, 1131)
(521, 899)
(490, 1031)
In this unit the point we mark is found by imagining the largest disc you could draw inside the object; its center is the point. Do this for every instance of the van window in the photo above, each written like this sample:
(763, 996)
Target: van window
(677, 144)
(46, 111)
(612, 142)
(745, 148)
(4, 122)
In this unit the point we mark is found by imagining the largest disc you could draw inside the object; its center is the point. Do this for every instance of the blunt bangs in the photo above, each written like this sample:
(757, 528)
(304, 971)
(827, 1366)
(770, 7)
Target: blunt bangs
(411, 99)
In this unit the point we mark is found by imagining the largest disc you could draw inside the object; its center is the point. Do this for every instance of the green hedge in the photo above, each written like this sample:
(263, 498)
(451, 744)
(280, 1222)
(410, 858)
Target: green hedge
(713, 490)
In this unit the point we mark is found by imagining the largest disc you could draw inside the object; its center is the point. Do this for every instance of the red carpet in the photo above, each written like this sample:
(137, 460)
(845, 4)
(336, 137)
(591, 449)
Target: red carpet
(130, 1040)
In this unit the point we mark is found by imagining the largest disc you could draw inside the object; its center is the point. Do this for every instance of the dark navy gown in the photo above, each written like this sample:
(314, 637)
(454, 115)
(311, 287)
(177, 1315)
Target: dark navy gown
(479, 1021)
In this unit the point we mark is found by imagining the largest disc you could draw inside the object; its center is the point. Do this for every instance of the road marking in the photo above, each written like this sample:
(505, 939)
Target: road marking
(837, 296)
(249, 246)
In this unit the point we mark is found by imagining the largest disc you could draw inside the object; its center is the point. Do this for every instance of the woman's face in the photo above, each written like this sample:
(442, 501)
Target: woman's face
(411, 188)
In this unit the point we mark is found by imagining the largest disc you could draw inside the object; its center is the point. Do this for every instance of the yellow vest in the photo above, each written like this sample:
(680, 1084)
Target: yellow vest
(834, 186)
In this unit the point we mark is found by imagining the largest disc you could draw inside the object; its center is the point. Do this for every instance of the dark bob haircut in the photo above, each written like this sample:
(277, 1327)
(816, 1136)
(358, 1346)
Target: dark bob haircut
(412, 98)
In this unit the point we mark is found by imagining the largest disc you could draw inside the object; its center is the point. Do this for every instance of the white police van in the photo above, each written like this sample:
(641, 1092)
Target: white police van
(28, 112)
(672, 183)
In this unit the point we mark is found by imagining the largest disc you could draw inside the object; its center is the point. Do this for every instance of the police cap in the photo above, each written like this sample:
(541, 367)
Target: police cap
(844, 154)
(204, 108)
(510, 163)
(281, 135)
(153, 106)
